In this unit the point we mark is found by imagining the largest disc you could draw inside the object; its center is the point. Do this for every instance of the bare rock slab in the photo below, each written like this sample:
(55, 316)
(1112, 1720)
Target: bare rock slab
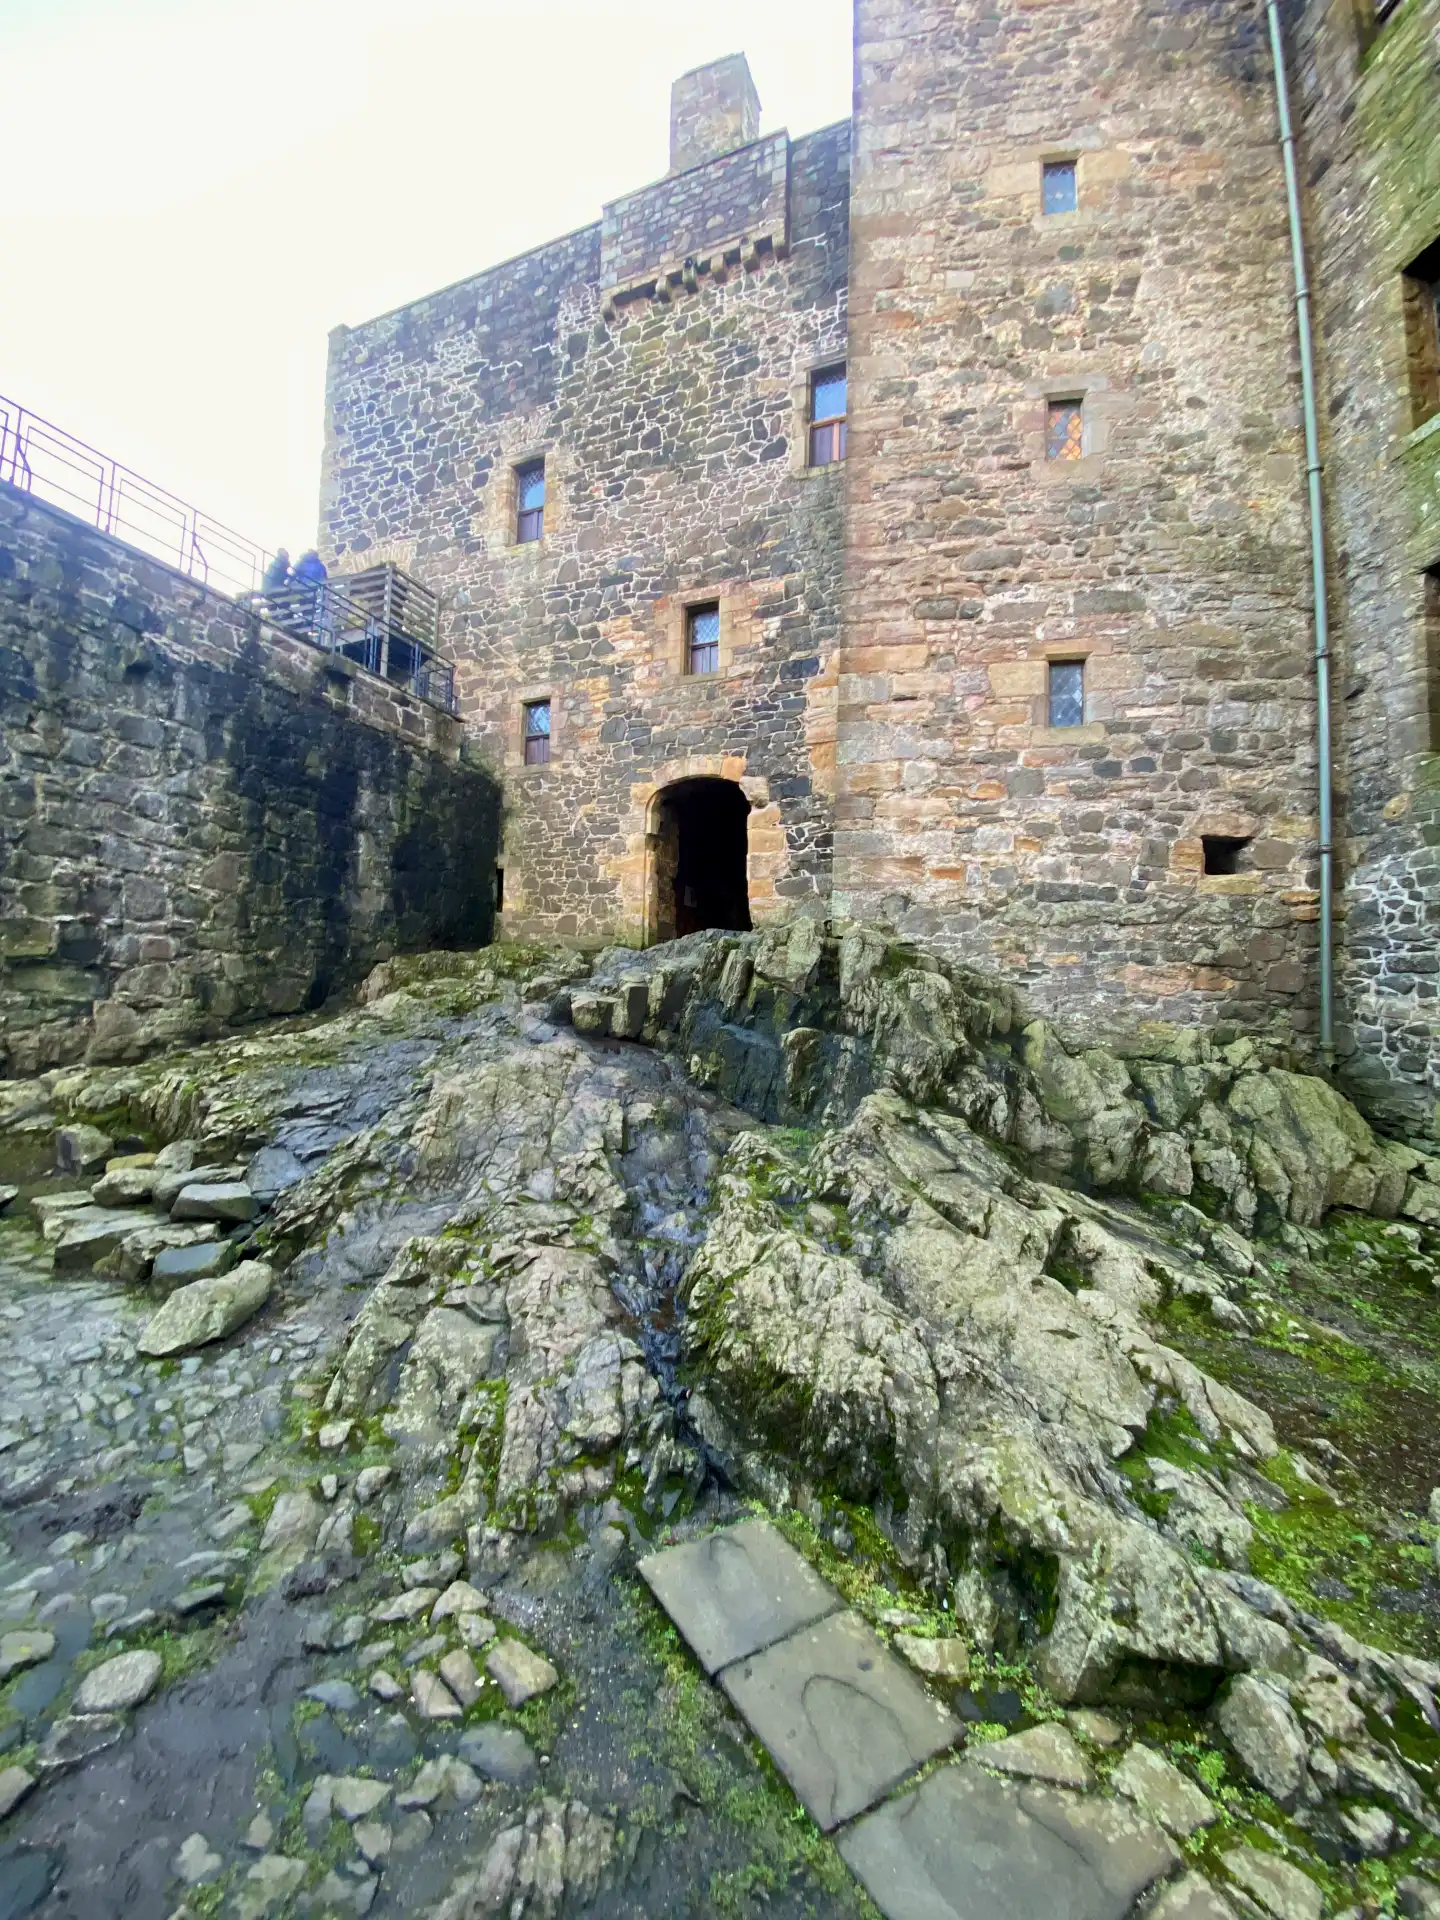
(844, 1721)
(966, 1846)
(180, 1266)
(208, 1310)
(1192, 1898)
(119, 1683)
(519, 1672)
(1162, 1791)
(1040, 1753)
(737, 1591)
(1281, 1889)
(24, 1649)
(90, 1233)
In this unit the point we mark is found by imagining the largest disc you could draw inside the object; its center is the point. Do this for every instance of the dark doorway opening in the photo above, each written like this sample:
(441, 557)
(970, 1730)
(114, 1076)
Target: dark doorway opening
(700, 859)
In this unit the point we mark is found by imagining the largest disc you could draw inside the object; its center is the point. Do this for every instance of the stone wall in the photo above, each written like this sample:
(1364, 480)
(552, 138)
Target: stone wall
(1171, 557)
(660, 367)
(1368, 104)
(202, 821)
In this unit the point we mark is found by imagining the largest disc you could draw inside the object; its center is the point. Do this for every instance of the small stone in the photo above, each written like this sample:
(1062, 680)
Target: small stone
(370, 1481)
(207, 1310)
(458, 1598)
(197, 1862)
(78, 1737)
(319, 1806)
(1045, 1752)
(475, 1629)
(1258, 1721)
(329, 1486)
(294, 1521)
(519, 1673)
(372, 1838)
(269, 1884)
(123, 1186)
(385, 1686)
(425, 1649)
(1371, 1828)
(8, 1195)
(196, 1599)
(1099, 1727)
(233, 1520)
(406, 1606)
(458, 1672)
(445, 1776)
(355, 1798)
(82, 1149)
(374, 1650)
(433, 1700)
(946, 1659)
(349, 1633)
(228, 1200)
(175, 1267)
(413, 1832)
(1161, 1790)
(1282, 1890)
(238, 1455)
(338, 1695)
(499, 1753)
(121, 1682)
(259, 1833)
(334, 1435)
(15, 1783)
(24, 1649)
(1192, 1898)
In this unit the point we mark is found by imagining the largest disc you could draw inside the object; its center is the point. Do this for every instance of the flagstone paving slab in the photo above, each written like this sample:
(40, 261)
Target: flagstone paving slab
(965, 1845)
(737, 1591)
(842, 1718)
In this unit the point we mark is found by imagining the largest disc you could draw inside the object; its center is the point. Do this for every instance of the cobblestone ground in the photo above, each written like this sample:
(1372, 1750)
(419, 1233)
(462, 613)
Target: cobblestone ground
(180, 1508)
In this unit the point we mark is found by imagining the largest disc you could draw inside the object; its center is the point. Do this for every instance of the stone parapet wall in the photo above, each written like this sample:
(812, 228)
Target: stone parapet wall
(1170, 557)
(673, 433)
(202, 820)
(1368, 107)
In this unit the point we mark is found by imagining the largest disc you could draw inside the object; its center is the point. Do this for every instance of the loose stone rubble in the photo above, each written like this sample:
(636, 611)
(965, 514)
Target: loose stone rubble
(322, 1518)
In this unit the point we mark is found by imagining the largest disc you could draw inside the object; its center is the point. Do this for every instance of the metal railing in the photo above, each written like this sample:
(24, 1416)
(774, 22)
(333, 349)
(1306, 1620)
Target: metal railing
(329, 615)
(43, 459)
(382, 619)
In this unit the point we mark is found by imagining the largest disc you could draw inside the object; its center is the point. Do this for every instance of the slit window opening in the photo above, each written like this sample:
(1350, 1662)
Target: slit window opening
(702, 640)
(537, 733)
(1421, 283)
(530, 501)
(1065, 693)
(499, 889)
(1058, 192)
(1064, 430)
(1220, 852)
(829, 401)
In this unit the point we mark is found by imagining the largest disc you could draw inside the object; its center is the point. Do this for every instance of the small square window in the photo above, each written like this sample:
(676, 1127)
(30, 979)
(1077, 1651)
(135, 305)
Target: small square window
(530, 501)
(702, 640)
(1064, 430)
(828, 402)
(1057, 187)
(537, 733)
(1065, 691)
(1220, 852)
(1421, 284)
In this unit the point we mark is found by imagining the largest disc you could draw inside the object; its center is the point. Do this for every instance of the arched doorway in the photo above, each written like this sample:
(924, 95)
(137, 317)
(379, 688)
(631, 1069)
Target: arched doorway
(700, 852)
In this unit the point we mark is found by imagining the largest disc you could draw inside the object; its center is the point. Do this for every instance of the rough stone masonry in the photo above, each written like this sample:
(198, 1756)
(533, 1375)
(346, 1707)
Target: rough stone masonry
(1036, 208)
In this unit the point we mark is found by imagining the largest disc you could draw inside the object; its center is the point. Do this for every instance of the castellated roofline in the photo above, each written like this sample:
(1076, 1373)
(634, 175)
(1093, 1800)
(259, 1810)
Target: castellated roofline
(713, 110)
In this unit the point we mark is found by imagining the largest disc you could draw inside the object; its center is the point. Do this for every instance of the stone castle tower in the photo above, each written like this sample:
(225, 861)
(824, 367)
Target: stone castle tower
(908, 521)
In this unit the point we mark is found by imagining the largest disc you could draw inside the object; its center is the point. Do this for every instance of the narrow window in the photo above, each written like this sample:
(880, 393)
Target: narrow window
(828, 401)
(1421, 283)
(499, 889)
(1064, 430)
(1066, 693)
(1221, 852)
(1057, 187)
(530, 501)
(1384, 9)
(702, 640)
(537, 733)
(1431, 643)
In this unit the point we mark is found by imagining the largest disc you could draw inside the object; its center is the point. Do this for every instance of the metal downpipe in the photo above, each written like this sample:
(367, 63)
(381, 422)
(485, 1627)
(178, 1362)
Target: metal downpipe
(1317, 547)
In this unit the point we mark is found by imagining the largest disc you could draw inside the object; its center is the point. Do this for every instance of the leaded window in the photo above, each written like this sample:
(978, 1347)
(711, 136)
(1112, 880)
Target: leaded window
(1064, 430)
(530, 501)
(1058, 192)
(537, 733)
(829, 400)
(702, 636)
(1066, 693)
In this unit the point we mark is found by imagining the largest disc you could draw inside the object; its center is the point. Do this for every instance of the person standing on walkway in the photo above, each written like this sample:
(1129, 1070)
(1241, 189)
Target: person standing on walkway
(311, 574)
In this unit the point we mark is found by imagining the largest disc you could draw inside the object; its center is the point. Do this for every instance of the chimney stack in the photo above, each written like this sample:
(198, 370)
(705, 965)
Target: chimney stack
(713, 110)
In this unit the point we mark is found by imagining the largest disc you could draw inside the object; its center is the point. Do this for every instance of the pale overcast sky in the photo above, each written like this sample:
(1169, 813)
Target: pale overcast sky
(196, 191)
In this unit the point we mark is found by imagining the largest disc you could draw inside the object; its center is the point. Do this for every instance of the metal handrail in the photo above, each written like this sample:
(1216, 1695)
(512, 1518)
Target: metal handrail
(53, 465)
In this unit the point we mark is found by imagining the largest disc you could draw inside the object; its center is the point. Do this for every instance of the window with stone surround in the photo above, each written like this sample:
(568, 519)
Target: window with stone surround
(702, 639)
(1058, 191)
(537, 733)
(1431, 657)
(1421, 284)
(1065, 693)
(1223, 852)
(1064, 429)
(828, 404)
(530, 502)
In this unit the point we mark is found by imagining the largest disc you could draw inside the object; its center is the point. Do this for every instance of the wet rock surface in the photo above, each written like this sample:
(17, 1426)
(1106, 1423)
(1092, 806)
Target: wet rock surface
(329, 1602)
